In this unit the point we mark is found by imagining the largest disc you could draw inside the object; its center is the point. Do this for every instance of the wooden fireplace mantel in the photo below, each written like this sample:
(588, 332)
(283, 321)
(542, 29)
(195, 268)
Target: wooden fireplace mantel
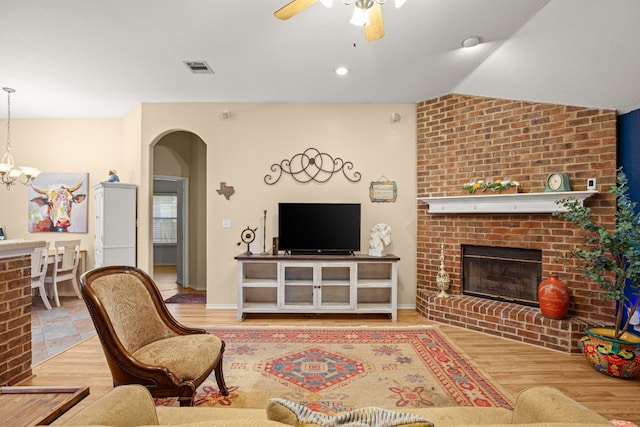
(517, 203)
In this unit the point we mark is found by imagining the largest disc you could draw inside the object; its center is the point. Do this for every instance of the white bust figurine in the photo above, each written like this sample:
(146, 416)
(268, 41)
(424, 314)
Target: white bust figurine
(379, 237)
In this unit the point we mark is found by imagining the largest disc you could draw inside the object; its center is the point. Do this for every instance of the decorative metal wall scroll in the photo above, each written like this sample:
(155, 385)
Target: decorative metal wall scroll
(311, 165)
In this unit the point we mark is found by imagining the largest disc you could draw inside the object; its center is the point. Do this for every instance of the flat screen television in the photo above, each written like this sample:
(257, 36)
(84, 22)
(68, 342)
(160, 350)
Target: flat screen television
(319, 228)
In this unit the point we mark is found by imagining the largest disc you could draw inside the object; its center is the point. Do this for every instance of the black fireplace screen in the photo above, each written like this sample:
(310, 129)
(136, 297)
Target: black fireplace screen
(505, 274)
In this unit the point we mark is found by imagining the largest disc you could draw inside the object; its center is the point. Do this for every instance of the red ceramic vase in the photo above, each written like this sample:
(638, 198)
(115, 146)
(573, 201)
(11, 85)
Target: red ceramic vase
(553, 296)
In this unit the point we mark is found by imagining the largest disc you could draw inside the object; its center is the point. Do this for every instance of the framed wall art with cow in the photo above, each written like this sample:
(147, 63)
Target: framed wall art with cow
(58, 203)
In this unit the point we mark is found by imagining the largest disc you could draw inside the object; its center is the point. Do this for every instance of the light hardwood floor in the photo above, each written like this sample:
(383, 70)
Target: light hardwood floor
(513, 365)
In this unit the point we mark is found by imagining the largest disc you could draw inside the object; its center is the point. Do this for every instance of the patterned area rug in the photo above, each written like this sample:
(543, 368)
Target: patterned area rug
(187, 299)
(332, 370)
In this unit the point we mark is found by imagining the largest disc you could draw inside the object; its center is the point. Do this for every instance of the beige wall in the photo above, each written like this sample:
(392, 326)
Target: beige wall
(61, 145)
(240, 152)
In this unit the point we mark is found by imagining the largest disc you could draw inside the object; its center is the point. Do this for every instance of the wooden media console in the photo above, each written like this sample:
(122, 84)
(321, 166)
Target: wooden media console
(317, 284)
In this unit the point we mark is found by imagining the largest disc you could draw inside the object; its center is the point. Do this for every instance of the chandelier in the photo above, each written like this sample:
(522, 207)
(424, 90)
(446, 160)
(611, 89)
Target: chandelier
(9, 174)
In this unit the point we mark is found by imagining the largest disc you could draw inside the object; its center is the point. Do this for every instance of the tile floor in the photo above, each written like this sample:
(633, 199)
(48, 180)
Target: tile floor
(59, 328)
(55, 330)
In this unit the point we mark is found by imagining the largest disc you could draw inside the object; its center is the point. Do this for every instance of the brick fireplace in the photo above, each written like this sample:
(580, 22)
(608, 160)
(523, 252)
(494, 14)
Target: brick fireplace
(462, 138)
(503, 274)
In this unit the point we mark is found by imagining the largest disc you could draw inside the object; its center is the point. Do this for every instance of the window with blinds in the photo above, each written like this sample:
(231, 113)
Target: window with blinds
(165, 218)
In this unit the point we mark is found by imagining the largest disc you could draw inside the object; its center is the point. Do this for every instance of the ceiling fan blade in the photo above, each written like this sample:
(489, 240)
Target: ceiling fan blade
(293, 8)
(375, 30)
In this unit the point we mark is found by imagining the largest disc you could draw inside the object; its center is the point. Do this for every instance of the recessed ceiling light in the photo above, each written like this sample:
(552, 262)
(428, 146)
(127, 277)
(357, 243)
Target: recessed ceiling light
(471, 41)
(342, 71)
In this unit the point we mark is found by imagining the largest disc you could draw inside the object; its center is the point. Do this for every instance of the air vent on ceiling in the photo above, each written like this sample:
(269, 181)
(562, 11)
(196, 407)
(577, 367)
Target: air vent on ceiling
(198, 67)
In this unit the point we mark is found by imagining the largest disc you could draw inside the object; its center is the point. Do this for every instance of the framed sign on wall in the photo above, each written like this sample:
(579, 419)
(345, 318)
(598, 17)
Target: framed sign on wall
(383, 191)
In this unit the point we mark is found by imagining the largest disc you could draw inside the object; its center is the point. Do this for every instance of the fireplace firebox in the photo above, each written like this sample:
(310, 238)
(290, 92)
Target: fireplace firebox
(503, 274)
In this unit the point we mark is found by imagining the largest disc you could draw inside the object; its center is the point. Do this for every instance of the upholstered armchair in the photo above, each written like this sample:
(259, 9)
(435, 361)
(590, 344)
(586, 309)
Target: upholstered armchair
(142, 341)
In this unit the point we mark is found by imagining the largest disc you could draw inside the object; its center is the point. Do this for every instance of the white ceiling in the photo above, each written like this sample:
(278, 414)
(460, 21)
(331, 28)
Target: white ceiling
(91, 58)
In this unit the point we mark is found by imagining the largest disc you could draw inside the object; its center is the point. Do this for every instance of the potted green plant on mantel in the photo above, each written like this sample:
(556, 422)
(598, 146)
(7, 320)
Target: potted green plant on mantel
(610, 257)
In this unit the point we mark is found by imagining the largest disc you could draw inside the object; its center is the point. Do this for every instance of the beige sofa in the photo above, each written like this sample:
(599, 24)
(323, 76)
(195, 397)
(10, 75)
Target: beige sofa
(132, 405)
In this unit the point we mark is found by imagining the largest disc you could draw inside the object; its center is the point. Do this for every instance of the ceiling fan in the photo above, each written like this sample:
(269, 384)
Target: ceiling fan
(366, 13)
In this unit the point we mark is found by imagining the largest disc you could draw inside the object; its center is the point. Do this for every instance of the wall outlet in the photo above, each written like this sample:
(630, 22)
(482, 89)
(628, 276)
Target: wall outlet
(591, 184)
(226, 223)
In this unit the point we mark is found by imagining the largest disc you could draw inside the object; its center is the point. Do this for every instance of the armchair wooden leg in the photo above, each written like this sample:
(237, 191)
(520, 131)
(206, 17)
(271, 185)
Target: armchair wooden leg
(187, 393)
(220, 379)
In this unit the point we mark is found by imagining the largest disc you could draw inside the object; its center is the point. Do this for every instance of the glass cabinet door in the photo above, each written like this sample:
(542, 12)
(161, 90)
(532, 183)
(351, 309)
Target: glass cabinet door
(334, 289)
(297, 285)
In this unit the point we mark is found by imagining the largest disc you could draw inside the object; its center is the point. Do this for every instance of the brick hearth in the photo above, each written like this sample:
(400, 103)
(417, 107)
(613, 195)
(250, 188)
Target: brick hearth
(504, 319)
(462, 138)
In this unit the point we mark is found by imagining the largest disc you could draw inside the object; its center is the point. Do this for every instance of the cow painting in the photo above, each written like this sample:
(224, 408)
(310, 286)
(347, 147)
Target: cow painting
(52, 206)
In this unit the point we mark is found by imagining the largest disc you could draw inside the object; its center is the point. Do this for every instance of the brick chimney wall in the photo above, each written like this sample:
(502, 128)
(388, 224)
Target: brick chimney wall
(15, 319)
(462, 138)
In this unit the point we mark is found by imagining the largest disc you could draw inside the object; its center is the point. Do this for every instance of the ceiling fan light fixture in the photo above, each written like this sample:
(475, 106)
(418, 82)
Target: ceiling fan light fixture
(366, 13)
(360, 17)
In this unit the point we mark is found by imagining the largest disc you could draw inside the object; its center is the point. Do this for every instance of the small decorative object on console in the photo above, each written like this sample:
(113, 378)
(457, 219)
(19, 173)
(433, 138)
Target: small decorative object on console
(380, 236)
(264, 233)
(557, 181)
(248, 236)
(493, 186)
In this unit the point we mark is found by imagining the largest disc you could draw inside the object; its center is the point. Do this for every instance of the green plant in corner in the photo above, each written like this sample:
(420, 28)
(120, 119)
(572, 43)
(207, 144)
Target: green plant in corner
(610, 257)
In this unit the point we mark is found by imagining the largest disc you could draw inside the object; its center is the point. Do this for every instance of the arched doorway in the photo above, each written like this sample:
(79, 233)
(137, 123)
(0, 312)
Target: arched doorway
(180, 157)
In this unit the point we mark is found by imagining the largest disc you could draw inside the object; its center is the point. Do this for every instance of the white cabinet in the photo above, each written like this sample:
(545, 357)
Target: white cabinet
(317, 284)
(115, 224)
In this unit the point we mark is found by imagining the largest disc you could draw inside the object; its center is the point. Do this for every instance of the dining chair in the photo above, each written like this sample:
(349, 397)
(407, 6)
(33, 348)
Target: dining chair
(39, 264)
(65, 267)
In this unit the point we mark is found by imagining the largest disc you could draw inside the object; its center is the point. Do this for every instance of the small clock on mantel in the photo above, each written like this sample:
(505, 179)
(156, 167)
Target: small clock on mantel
(557, 181)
